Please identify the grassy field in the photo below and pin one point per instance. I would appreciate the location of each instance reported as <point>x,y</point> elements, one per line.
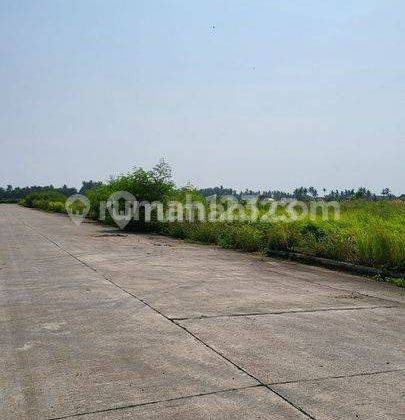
<point>370,233</point>
<point>367,233</point>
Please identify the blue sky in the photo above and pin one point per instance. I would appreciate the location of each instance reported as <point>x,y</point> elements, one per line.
<point>258,94</point>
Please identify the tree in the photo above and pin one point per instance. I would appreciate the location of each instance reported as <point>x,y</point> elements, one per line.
<point>364,193</point>
<point>386,192</point>
<point>301,193</point>
<point>218,191</point>
<point>313,192</point>
<point>89,185</point>
<point>67,191</point>
<point>162,172</point>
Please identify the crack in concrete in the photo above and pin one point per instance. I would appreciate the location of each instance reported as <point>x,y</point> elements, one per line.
<point>124,407</point>
<point>332,287</point>
<point>298,311</point>
<point>351,375</point>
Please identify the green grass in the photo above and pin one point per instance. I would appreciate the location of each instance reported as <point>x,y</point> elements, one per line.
<point>395,282</point>
<point>8,201</point>
<point>380,243</point>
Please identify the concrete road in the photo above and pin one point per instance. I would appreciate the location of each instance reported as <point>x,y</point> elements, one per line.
<point>98,324</point>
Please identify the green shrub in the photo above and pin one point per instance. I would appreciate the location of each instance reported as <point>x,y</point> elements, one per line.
<point>41,197</point>
<point>56,206</point>
<point>150,186</point>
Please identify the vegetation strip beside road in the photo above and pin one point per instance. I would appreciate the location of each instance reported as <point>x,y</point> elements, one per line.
<point>369,233</point>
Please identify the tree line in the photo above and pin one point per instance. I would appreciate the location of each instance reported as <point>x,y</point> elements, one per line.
<point>9,193</point>
<point>303,194</point>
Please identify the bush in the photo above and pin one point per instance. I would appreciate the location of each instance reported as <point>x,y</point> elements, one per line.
<point>150,186</point>
<point>56,206</point>
<point>41,197</point>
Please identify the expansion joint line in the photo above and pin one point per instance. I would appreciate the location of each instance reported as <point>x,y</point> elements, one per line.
<point>298,311</point>
<point>352,375</point>
<point>128,406</point>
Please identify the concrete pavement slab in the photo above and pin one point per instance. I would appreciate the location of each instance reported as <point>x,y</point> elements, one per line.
<point>296,346</point>
<point>380,396</point>
<point>339,280</point>
<point>102,358</point>
<point>246,404</point>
